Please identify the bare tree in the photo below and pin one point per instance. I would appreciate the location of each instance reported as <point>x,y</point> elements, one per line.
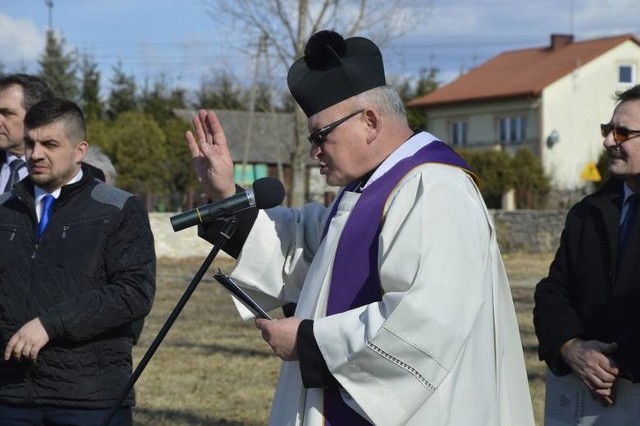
<point>286,25</point>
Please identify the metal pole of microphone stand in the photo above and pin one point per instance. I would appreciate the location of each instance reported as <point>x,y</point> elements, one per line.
<point>223,237</point>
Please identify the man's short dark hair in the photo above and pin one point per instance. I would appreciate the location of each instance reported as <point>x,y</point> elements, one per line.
<point>34,89</point>
<point>629,94</point>
<point>54,109</point>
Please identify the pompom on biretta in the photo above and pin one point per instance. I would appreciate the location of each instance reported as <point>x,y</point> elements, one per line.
<point>334,69</point>
<point>323,47</point>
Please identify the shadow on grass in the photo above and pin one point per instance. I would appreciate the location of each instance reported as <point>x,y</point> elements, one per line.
<point>149,417</point>
<point>241,352</point>
<point>530,348</point>
<point>537,375</point>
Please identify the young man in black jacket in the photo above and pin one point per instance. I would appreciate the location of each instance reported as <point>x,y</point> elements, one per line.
<point>77,269</point>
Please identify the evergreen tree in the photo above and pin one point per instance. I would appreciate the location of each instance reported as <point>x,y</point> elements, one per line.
<point>221,92</point>
<point>90,89</point>
<point>427,82</point>
<point>180,179</point>
<point>122,97</point>
<point>263,102</point>
<point>158,101</point>
<point>137,148</point>
<point>98,133</point>
<point>58,69</point>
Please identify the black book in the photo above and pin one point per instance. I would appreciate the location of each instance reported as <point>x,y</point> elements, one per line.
<point>239,294</point>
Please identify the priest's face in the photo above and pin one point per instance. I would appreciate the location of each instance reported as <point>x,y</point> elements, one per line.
<point>338,137</point>
<point>622,139</point>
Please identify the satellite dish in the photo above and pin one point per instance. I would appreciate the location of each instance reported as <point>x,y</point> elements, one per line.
<point>553,138</point>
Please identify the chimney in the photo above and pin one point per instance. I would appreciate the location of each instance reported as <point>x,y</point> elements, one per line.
<point>559,41</point>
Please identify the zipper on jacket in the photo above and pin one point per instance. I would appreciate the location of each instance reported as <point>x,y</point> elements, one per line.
<point>35,250</point>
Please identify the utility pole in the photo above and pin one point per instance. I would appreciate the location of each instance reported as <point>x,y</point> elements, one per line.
<point>49,4</point>
<point>262,46</point>
<point>296,196</point>
<point>280,147</point>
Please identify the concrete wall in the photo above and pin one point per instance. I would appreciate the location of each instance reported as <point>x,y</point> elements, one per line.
<point>535,231</point>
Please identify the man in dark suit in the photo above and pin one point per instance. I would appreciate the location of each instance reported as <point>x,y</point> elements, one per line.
<point>587,310</point>
<point>18,92</point>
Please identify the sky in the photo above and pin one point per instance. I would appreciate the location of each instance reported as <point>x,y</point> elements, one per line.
<point>181,41</point>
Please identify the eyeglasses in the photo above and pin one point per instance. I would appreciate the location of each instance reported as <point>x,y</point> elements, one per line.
<point>620,134</point>
<point>319,136</point>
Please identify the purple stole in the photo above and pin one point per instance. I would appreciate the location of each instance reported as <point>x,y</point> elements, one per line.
<point>355,280</point>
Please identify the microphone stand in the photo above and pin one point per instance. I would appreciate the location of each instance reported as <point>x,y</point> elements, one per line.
<point>223,237</point>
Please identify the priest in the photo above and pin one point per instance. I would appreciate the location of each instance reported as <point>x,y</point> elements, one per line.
<point>403,313</point>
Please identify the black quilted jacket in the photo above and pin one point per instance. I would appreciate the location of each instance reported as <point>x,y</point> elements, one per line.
<point>90,278</point>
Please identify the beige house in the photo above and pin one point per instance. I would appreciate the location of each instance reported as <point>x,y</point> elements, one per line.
<point>550,99</point>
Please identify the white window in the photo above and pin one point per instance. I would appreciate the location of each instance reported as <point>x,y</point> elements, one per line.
<point>513,129</point>
<point>459,133</point>
<point>627,74</point>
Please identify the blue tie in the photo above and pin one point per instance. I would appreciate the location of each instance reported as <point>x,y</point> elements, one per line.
<point>627,223</point>
<point>47,204</point>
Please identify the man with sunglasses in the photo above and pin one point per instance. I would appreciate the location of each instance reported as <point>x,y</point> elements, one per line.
<point>404,314</point>
<point>587,310</point>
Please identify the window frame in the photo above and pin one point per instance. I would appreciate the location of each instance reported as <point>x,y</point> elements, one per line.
<point>632,72</point>
<point>512,129</point>
<point>458,132</point>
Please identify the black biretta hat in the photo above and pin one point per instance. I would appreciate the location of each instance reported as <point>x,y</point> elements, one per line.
<point>334,69</point>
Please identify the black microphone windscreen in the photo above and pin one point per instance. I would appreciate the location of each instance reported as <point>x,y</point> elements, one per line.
<point>268,192</point>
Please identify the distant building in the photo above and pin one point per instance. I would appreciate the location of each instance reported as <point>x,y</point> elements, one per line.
<point>550,99</point>
<point>261,145</point>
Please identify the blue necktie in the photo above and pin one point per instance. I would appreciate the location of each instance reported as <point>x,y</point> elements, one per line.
<point>627,223</point>
<point>47,204</point>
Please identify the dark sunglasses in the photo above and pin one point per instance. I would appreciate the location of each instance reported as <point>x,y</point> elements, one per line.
<point>620,134</point>
<point>319,136</point>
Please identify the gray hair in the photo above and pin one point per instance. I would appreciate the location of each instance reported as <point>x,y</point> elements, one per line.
<point>99,159</point>
<point>385,98</point>
<point>34,89</point>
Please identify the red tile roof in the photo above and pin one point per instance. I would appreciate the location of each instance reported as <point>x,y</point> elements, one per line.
<point>521,72</point>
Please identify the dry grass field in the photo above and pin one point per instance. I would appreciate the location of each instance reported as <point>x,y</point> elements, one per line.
<point>214,369</point>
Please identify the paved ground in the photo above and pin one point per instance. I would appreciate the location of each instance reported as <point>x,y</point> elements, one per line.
<point>181,244</point>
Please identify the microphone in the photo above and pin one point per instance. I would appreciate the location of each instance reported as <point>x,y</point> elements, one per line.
<point>267,192</point>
